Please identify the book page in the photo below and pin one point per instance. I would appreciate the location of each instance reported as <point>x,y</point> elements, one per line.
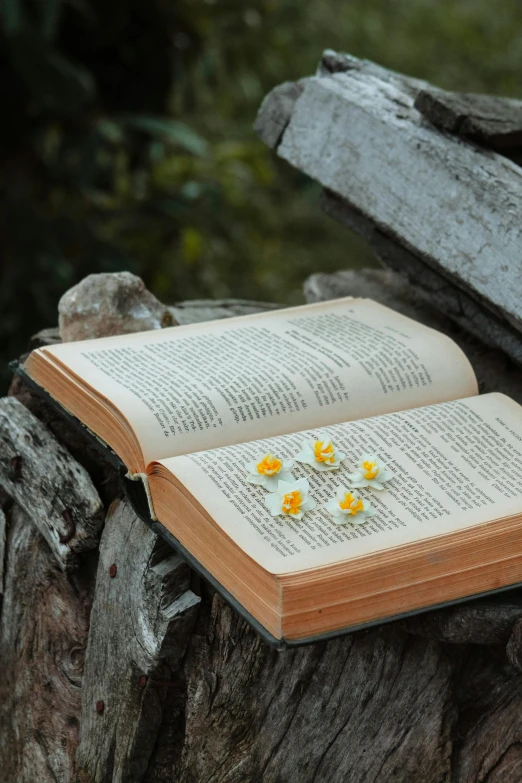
<point>455,465</point>
<point>195,387</point>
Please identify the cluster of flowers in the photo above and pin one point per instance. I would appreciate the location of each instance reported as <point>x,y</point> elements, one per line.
<point>290,497</point>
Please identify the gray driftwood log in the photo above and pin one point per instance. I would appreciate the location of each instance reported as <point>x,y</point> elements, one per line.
<point>141,620</point>
<point>52,488</point>
<point>128,668</point>
<point>400,163</point>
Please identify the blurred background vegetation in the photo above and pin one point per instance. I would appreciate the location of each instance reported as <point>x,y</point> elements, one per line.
<point>126,138</point>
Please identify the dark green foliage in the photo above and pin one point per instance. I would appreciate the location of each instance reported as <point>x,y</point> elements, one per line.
<point>126,138</point>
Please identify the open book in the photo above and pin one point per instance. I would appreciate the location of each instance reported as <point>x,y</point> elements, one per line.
<point>188,408</point>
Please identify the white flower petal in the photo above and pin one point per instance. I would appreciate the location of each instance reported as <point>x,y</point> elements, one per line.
<point>323,466</point>
<point>270,483</point>
<point>273,503</point>
<point>358,478</point>
<point>302,485</point>
<point>356,483</point>
<point>306,455</point>
<point>343,516</point>
<point>305,460</point>
<point>306,503</point>
<point>364,516</point>
<point>307,446</point>
<point>285,486</point>
<point>255,478</point>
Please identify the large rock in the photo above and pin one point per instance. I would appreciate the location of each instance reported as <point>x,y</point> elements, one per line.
<point>110,303</point>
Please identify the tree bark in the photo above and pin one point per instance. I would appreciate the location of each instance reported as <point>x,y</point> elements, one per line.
<point>162,680</point>
<point>44,624</point>
<point>44,480</point>
<point>141,622</point>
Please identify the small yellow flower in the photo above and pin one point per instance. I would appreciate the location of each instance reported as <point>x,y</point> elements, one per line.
<point>370,469</point>
<point>290,499</point>
<point>349,506</point>
<point>320,454</point>
<point>292,502</point>
<point>324,452</point>
<point>370,472</point>
<point>268,470</point>
<point>269,465</point>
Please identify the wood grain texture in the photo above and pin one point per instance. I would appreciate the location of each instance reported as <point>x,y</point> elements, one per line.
<point>486,621</point>
<point>492,120</point>
<point>514,645</point>
<point>141,620</point>
<point>50,757</point>
<point>51,487</point>
<point>454,204</point>
<point>2,549</point>
<point>488,733</point>
<point>374,707</point>
<point>341,62</point>
<point>434,286</point>
<point>43,632</point>
<point>82,449</point>
<point>275,112</point>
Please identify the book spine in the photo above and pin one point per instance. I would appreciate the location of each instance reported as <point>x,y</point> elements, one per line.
<point>145,482</point>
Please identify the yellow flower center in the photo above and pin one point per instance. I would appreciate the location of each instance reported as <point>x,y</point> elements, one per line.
<point>269,465</point>
<point>349,503</point>
<point>326,454</point>
<point>292,502</point>
<point>370,469</point>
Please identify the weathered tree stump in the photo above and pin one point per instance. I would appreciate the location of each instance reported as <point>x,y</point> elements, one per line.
<point>119,664</point>
<point>162,681</point>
